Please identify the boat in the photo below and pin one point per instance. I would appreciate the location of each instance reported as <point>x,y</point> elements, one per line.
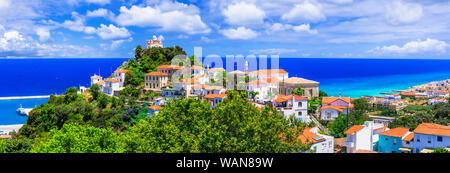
<point>23,111</point>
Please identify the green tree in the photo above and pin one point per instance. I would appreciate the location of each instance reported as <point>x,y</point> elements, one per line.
<point>102,101</point>
<point>138,52</point>
<point>95,91</point>
<point>71,94</point>
<point>338,126</point>
<point>74,138</point>
<point>322,94</point>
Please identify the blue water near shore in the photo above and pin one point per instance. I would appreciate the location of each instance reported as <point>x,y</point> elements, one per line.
<point>349,77</point>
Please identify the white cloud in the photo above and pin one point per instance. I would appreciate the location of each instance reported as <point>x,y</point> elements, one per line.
<point>341,1</point>
<point>184,19</point>
<point>241,33</point>
<point>413,47</point>
<point>78,24</point>
<point>279,27</point>
<point>399,12</point>
<point>43,33</point>
<point>101,12</point>
<point>112,32</point>
<point>206,39</point>
<point>15,44</point>
<point>273,51</point>
<point>100,2</point>
<point>243,14</point>
<point>305,11</point>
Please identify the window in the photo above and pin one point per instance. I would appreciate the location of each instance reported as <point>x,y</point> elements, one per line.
<point>407,142</point>
<point>386,139</point>
<point>429,139</point>
<point>395,141</point>
<point>418,139</point>
<point>299,104</point>
<point>439,138</point>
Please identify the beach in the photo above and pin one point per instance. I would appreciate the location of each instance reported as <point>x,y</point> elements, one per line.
<point>9,128</point>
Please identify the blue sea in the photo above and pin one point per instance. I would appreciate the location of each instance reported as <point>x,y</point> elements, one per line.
<point>348,77</point>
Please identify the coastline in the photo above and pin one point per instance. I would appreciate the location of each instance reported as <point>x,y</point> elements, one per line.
<point>10,128</point>
<point>24,97</point>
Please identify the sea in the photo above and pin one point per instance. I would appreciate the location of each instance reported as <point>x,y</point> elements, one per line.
<point>346,77</point>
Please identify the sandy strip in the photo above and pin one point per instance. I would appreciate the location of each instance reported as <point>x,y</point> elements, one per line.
<point>10,128</point>
<point>24,97</point>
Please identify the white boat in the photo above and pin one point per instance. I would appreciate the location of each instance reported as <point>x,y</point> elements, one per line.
<point>23,111</point>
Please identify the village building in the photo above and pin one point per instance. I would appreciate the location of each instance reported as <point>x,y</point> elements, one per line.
<point>214,99</point>
<point>169,70</point>
<point>390,141</point>
<point>154,43</point>
<point>262,88</point>
<point>111,86</point>
<point>293,105</point>
<point>153,110</point>
<point>363,137</point>
<point>156,80</point>
<point>120,76</point>
<point>270,73</point>
<point>437,100</point>
<point>319,143</point>
<point>310,88</point>
<point>333,106</point>
<point>431,136</point>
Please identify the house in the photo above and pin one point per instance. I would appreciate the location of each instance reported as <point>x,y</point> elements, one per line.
<point>333,106</point>
<point>258,86</point>
<point>156,80</point>
<point>437,100</point>
<point>95,79</point>
<point>319,143</point>
<point>407,143</point>
<point>214,99</point>
<point>168,92</point>
<point>269,73</point>
<point>292,105</point>
<point>203,90</point>
<point>154,43</point>
<point>382,119</point>
<point>169,70</point>
<point>111,85</point>
<point>197,70</point>
<point>310,88</point>
<point>363,137</point>
<point>153,110</point>
<point>120,76</point>
<point>390,141</point>
<point>393,97</point>
<point>431,136</point>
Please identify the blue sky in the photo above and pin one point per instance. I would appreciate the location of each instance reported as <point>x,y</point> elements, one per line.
<point>289,28</point>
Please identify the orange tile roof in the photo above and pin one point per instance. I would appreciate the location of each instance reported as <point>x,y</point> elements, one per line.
<point>395,132</point>
<point>5,137</point>
<point>409,137</point>
<point>408,94</point>
<point>308,137</point>
<point>212,96</point>
<point>155,107</point>
<point>271,80</point>
<point>155,73</point>
<point>100,82</point>
<point>354,129</point>
<point>196,67</point>
<point>269,72</point>
<point>256,82</point>
<point>296,80</point>
<point>328,100</point>
<point>175,67</point>
<point>96,77</point>
<point>122,71</point>
<point>433,129</point>
<point>384,128</point>
<point>216,69</point>
<point>338,108</point>
<point>365,151</point>
<point>282,98</point>
<point>111,80</point>
<point>191,80</point>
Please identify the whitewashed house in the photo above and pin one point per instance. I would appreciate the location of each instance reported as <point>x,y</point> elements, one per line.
<point>293,105</point>
<point>319,143</point>
<point>120,76</point>
<point>363,137</point>
<point>258,86</point>
<point>431,136</point>
<point>111,85</point>
<point>333,106</point>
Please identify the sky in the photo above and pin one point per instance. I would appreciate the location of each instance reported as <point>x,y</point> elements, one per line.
<point>288,28</point>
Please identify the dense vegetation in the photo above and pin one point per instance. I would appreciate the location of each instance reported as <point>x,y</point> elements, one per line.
<point>413,115</point>
<point>185,125</point>
<point>355,117</point>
